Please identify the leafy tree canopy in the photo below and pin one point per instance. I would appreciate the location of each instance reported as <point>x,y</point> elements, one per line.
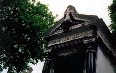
<point>112,10</point>
<point>22,25</point>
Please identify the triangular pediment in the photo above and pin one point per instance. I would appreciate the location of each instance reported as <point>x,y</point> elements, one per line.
<point>71,20</point>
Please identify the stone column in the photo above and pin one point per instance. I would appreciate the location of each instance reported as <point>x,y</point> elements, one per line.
<point>91,56</point>
<point>47,66</point>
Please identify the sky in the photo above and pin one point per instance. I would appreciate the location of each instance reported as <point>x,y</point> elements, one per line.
<point>88,7</point>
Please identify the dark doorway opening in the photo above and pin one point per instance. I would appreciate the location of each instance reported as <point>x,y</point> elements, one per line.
<point>74,63</point>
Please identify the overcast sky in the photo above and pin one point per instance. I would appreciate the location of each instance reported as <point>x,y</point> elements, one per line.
<point>89,7</point>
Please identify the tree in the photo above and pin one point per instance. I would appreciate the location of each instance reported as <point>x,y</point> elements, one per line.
<point>112,13</point>
<point>22,27</point>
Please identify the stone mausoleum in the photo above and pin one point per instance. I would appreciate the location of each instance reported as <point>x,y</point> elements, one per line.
<point>79,43</point>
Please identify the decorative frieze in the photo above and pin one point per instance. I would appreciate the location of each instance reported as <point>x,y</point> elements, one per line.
<point>70,38</point>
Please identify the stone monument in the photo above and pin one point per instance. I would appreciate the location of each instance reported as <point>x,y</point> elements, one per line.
<point>79,43</point>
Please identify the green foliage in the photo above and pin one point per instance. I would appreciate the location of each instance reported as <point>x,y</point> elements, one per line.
<point>22,25</point>
<point>112,10</point>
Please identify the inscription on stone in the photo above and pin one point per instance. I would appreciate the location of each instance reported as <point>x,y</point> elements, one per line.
<point>70,37</point>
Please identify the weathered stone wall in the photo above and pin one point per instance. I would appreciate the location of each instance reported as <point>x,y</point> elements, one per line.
<point>103,64</point>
